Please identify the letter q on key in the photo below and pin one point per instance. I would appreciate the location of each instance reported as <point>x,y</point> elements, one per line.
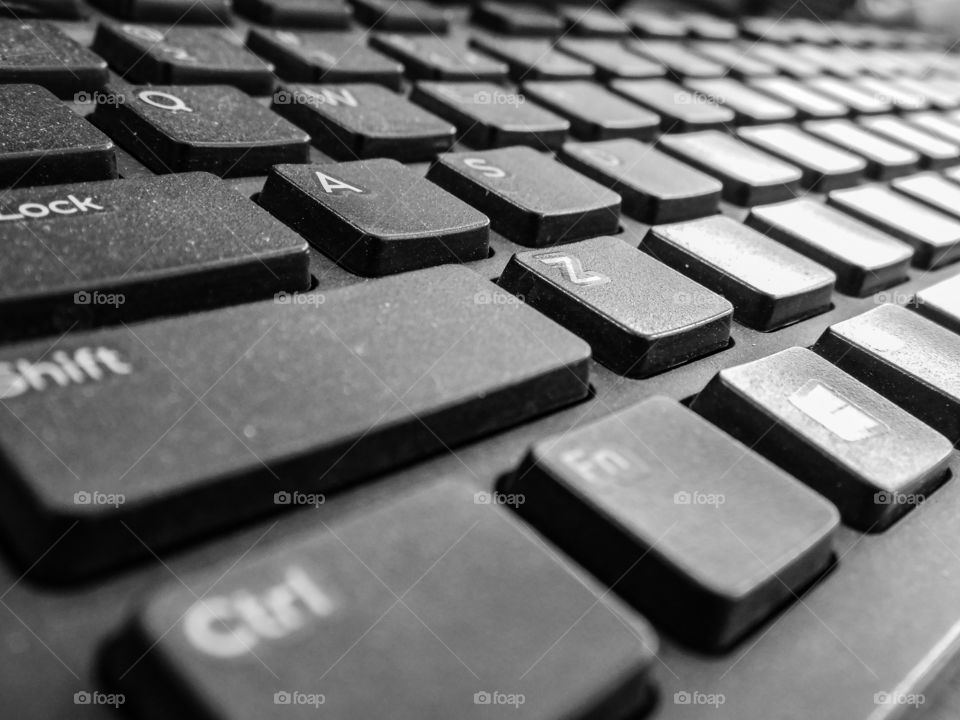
<point>163,100</point>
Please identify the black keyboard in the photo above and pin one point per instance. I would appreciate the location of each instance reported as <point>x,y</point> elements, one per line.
<point>373,359</point>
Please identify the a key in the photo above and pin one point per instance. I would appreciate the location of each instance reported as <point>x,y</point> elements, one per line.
<point>216,128</point>
<point>934,152</point>
<point>300,629</point>
<point>873,460</point>
<point>681,63</point>
<point>486,115</point>
<point>931,190</point>
<point>428,57</point>
<point>594,21</point>
<point>353,121</point>
<point>860,101</point>
<point>653,186</point>
<point>660,498</point>
<point>884,159</point>
<point>43,142</point>
<point>517,18</point>
<point>529,198</point>
<point>106,252</point>
<point>769,284</point>
<point>181,56</point>
<point>332,57</point>
<point>751,107</point>
<point>749,177</point>
<point>808,103</point>
<point>825,167</point>
<point>302,394</point>
<point>905,357</point>
<point>611,60</point>
<point>639,316</point>
<point>679,110</point>
<point>210,12</point>
<point>413,16</point>
<point>735,61</point>
<point>651,24</point>
<point>594,112</point>
<point>532,59</point>
<point>935,237</point>
<point>332,14</point>
<point>38,52</point>
<point>936,124</point>
<point>864,259</point>
<point>941,303</point>
<point>901,98</point>
<point>375,217</point>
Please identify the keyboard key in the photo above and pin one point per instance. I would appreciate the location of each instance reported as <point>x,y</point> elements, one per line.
<point>936,124</point>
<point>931,190</point>
<point>874,461</point>
<point>653,186</point>
<point>106,252</point>
<point>864,259</point>
<point>783,59</point>
<point>682,516</point>
<point>318,613</point>
<point>809,104</point>
<point>517,19</point>
<point>51,9</point>
<point>375,217</point>
<point>935,237</point>
<point>749,177</point>
<point>412,16</point>
<point>43,142</point>
<point>428,57</point>
<point>901,98</point>
<point>333,14</point>
<point>611,60</point>
<point>305,394</point>
<point>529,198</point>
<point>710,27</point>
<point>594,112</point>
<point>885,159</point>
<point>769,284</point>
<point>680,62</point>
<point>639,316</point>
<point>487,116</point>
<point>38,52</point>
<point>824,166</point>
<point>216,128</point>
<point>905,357</point>
<point>751,107</point>
<point>934,153</point>
<point>941,303</point>
<point>935,97</point>
<point>594,21</point>
<point>651,24</point>
<point>735,61</point>
<point>181,56</point>
<point>356,121</point>
<point>212,12</point>
<point>679,110</point>
<point>331,57</point>
<point>532,59</point>
<point>857,99</point>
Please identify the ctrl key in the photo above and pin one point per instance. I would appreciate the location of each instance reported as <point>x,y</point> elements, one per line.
<point>420,625</point>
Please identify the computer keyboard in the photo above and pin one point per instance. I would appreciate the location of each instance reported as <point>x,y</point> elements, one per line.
<point>378,358</point>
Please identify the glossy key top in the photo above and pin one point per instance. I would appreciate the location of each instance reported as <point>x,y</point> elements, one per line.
<point>679,110</point>
<point>934,152</point>
<point>639,316</point>
<point>884,159</point>
<point>666,508</point>
<point>375,217</point>
<point>38,52</point>
<point>873,460</point>
<point>594,112</point>
<point>932,190</point>
<point>304,393</point>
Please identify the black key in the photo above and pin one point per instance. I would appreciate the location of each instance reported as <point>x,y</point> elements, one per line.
<point>865,259</point>
<point>349,122</point>
<point>660,498</point>
<point>594,112</point>
<point>594,21</point>
<point>751,107</point>
<point>679,61</point>
<point>313,620</point>
<point>935,237</point>
<point>885,159</point>
<point>932,190</point>
<point>809,104</point>
<point>296,13</point>
<point>639,316</point>
<point>301,395</point>
<point>734,59</point>
<point>413,16</point>
<point>769,284</point>
<point>649,23</point>
<point>38,52</point>
<point>428,57</point>
<point>857,99</point>
<point>905,357</point>
<point>375,217</point>
<point>217,128</point>
<point>42,141</point>
<point>874,461</point>
<point>941,303</point>
<point>611,60</point>
<point>934,152</point>
<point>325,57</point>
<point>680,111</point>
<point>213,12</point>
<point>529,198</point>
<point>105,252</point>
<point>181,56</point>
<point>825,167</point>
<point>531,59</point>
<point>654,187</point>
<point>486,115</point>
<point>749,177</point>
<point>517,19</point>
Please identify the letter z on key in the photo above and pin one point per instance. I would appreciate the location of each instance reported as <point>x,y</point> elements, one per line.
<point>70,206</point>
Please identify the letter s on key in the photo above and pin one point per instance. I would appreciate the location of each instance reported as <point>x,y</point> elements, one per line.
<point>481,165</point>
<point>163,100</point>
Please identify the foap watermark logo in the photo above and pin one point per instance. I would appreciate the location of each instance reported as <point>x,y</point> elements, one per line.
<point>498,698</point>
<point>95,497</point>
<point>695,697</point>
<point>499,498</point>
<point>98,97</point>
<point>696,497</point>
<point>95,297</point>
<point>496,97</point>
<point>694,299</point>
<point>298,298</point>
<point>899,698</point>
<point>301,699</point>
<point>893,497</point>
<point>95,697</point>
<point>488,297</point>
<point>697,98</point>
<point>298,498</point>
<point>895,297</point>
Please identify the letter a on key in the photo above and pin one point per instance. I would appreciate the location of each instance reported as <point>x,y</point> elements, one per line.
<point>330,184</point>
